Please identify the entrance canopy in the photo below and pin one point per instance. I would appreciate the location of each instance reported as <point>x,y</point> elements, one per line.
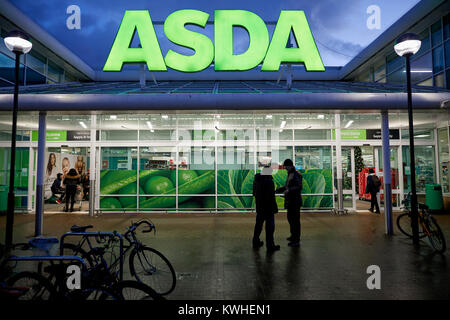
<point>232,95</point>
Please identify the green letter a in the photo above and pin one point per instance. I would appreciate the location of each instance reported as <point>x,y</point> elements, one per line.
<point>306,52</point>
<point>150,53</point>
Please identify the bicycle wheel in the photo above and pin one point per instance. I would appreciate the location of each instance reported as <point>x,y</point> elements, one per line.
<point>39,288</point>
<point>149,266</point>
<point>404,225</point>
<point>134,290</point>
<point>436,236</point>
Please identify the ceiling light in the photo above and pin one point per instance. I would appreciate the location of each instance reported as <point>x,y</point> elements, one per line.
<point>113,117</point>
<point>268,116</point>
<point>349,124</point>
<point>283,124</point>
<point>83,124</point>
<point>165,116</point>
<point>321,116</point>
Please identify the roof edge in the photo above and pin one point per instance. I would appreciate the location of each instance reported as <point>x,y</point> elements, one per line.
<point>35,31</point>
<point>419,11</point>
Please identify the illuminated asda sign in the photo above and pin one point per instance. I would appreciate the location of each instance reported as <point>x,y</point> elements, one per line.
<point>270,52</point>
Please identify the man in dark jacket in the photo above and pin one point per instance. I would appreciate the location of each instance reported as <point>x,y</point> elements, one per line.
<point>71,181</point>
<point>292,201</point>
<point>373,187</point>
<point>266,207</point>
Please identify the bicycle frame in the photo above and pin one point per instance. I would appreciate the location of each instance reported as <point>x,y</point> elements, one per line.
<point>87,235</point>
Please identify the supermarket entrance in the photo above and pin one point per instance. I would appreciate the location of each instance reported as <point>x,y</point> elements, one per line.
<point>356,163</point>
<point>59,160</point>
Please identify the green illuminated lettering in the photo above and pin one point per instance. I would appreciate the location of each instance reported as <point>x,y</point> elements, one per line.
<point>174,28</point>
<point>150,52</point>
<point>306,52</point>
<point>224,21</point>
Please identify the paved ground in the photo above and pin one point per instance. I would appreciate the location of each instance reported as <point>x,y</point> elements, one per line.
<point>213,257</point>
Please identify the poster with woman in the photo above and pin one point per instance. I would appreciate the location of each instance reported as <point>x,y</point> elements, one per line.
<point>51,170</point>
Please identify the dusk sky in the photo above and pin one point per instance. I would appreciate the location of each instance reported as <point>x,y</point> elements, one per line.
<point>339,26</point>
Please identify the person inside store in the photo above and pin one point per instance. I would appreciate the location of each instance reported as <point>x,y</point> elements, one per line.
<point>71,182</point>
<point>266,207</point>
<point>292,192</point>
<point>57,190</point>
<point>373,187</point>
<point>85,183</point>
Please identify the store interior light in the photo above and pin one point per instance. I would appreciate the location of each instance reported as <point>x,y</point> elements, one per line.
<point>321,116</point>
<point>149,125</point>
<point>113,117</point>
<point>83,124</point>
<point>165,116</point>
<point>283,124</point>
<point>348,124</point>
<point>268,116</point>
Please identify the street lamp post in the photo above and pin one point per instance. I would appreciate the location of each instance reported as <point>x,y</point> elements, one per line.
<point>407,45</point>
<point>17,42</point>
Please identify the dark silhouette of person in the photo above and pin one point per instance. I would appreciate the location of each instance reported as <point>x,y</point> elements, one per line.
<point>292,192</point>
<point>266,207</point>
<point>373,187</point>
<point>57,190</point>
<point>71,181</point>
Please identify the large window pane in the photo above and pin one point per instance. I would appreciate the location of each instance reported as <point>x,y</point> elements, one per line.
<point>447,53</point>
<point>421,68</point>
<point>425,45</point>
<point>157,173</point>
<point>444,159</point>
<point>20,176</point>
<point>425,167</point>
<point>438,59</point>
<point>436,33</point>
<point>397,77</point>
<point>118,177</point>
<point>315,165</point>
<point>380,69</point>
<point>393,62</point>
<point>196,174</point>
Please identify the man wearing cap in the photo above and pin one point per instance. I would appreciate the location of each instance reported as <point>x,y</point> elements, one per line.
<point>266,207</point>
<point>292,192</point>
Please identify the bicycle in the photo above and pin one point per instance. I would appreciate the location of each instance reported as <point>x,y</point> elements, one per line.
<point>429,226</point>
<point>146,264</point>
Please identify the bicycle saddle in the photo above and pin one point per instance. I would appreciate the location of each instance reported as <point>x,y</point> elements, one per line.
<point>76,228</point>
<point>423,206</point>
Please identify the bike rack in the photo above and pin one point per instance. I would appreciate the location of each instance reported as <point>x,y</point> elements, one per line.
<point>48,258</point>
<point>96,234</point>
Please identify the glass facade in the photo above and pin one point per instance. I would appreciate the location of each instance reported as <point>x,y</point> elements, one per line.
<point>429,66</point>
<point>35,68</point>
<point>207,162</point>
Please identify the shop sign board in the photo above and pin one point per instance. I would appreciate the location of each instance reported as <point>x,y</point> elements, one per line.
<point>51,135</point>
<point>261,49</point>
<point>351,134</point>
<point>394,134</point>
<point>62,135</point>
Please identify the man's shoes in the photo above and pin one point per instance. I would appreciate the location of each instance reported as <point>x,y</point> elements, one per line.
<point>377,212</point>
<point>257,245</point>
<point>289,238</point>
<point>371,210</point>
<point>294,244</point>
<point>273,248</point>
